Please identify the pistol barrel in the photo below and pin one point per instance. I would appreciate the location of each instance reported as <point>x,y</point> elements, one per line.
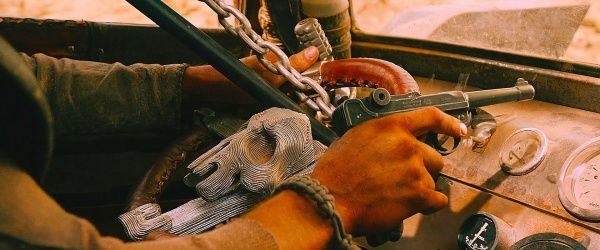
<point>522,91</point>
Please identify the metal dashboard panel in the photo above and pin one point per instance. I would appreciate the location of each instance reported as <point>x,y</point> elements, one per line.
<point>475,182</point>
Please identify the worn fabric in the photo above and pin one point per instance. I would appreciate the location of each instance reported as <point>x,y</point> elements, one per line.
<point>27,213</point>
<point>99,98</point>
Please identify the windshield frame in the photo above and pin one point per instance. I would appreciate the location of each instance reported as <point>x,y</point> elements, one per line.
<point>581,68</point>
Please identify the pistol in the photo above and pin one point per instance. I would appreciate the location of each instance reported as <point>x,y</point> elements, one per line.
<point>462,105</point>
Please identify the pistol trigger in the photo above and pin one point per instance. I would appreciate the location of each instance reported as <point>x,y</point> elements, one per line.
<point>434,141</point>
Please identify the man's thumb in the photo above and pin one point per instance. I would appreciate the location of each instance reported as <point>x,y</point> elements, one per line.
<point>305,58</point>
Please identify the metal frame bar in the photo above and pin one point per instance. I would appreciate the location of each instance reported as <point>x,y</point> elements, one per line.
<point>223,61</point>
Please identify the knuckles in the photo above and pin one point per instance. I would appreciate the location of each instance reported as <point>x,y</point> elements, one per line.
<point>408,148</point>
<point>405,120</point>
<point>423,199</point>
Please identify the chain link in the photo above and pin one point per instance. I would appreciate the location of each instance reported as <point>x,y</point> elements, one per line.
<point>318,102</point>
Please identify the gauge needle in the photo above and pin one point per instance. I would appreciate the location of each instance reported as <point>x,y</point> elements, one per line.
<point>515,154</point>
<point>478,235</point>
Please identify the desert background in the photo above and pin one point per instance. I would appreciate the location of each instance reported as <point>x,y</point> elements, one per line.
<point>370,14</point>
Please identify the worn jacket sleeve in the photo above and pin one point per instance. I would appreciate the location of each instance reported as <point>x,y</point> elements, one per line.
<point>99,98</point>
<point>28,214</point>
<point>240,234</point>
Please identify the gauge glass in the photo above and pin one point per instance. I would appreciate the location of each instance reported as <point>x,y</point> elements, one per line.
<point>579,188</point>
<point>586,185</point>
<point>523,151</point>
<point>478,232</point>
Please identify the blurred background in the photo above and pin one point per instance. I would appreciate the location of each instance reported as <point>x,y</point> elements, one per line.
<point>584,46</point>
<point>369,14</point>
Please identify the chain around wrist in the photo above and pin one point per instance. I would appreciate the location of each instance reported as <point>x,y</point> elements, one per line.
<point>312,189</point>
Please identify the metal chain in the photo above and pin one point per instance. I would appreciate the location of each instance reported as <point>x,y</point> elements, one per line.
<point>319,102</point>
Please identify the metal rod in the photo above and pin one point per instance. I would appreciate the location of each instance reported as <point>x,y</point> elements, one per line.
<point>224,62</point>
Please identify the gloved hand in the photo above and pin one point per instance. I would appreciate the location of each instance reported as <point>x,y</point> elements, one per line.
<point>235,175</point>
<point>274,145</point>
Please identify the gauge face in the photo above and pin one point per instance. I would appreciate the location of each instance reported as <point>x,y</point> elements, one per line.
<point>523,151</point>
<point>547,241</point>
<point>586,184</point>
<point>579,187</point>
<point>477,232</point>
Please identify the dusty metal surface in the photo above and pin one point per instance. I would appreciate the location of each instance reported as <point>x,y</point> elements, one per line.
<point>559,87</point>
<point>529,203</point>
<point>364,44</point>
<point>440,230</point>
<point>106,42</point>
<point>52,37</point>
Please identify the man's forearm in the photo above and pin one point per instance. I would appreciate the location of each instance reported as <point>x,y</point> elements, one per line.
<point>28,214</point>
<point>203,84</point>
<point>294,221</point>
<point>99,98</point>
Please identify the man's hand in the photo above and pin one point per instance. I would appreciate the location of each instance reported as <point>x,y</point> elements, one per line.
<point>300,61</point>
<point>380,174</point>
<point>202,84</point>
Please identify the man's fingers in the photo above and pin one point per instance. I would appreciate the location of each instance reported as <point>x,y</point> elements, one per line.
<point>421,121</point>
<point>299,61</point>
<point>433,161</point>
<point>434,201</point>
<point>305,58</point>
<point>271,57</point>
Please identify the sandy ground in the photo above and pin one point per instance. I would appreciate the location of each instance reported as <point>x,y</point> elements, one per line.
<point>585,46</point>
<point>105,10</point>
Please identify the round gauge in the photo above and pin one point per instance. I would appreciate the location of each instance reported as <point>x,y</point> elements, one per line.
<point>478,232</point>
<point>484,231</point>
<point>523,151</point>
<point>547,241</point>
<point>579,183</point>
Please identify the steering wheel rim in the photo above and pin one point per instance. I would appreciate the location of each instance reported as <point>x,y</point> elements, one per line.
<point>154,182</point>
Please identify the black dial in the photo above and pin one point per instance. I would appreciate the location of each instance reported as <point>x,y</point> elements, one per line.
<point>478,232</point>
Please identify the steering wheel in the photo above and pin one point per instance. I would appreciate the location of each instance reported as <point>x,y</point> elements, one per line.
<point>173,157</point>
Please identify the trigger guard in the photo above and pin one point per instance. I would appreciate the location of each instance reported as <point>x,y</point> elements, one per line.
<point>432,140</point>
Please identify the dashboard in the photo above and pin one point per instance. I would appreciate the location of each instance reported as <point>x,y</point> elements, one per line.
<point>536,181</point>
